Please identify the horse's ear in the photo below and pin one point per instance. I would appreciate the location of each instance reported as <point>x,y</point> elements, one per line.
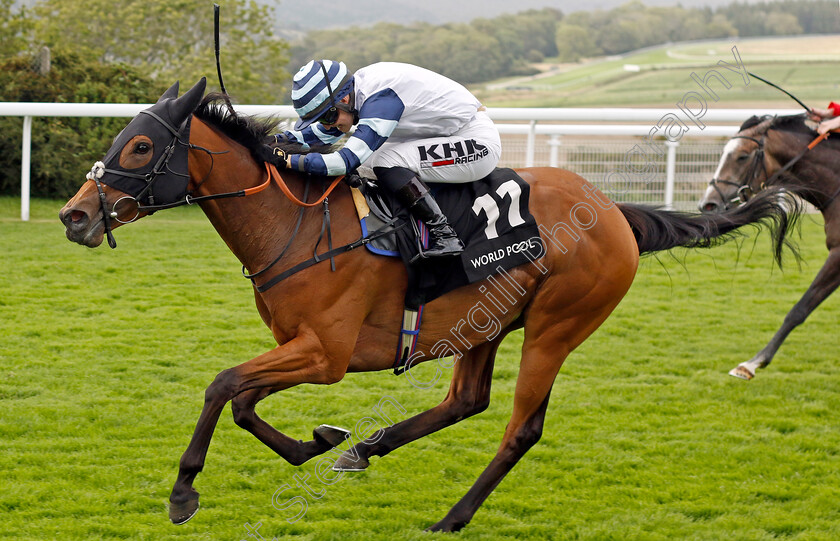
<point>750,122</point>
<point>186,104</point>
<point>172,93</point>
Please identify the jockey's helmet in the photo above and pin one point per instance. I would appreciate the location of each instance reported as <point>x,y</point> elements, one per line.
<point>317,88</point>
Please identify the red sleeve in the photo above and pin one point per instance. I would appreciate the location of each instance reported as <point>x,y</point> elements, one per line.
<point>835,108</point>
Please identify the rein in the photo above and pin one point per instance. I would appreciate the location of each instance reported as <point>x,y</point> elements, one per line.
<point>291,197</point>
<point>798,157</point>
<point>189,200</point>
<point>325,227</point>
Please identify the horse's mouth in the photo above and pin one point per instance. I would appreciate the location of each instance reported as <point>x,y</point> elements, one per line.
<point>78,229</point>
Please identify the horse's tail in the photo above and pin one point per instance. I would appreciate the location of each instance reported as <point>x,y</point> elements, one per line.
<point>657,229</point>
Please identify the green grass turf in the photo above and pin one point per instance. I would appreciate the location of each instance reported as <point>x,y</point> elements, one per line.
<point>105,355</point>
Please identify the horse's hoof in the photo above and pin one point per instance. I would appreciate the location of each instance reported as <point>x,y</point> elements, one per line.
<point>330,435</point>
<point>447,526</point>
<point>351,462</point>
<point>179,513</point>
<point>742,372</point>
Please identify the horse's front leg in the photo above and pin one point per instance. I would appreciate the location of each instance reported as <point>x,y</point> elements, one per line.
<point>823,285</point>
<point>301,360</point>
<point>295,452</point>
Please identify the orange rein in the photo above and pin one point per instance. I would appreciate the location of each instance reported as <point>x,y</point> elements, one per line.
<point>819,139</point>
<point>271,172</point>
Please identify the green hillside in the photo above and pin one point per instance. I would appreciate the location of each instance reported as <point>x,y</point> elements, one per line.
<point>807,66</point>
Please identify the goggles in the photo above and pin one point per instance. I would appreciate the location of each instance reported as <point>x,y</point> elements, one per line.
<point>330,116</point>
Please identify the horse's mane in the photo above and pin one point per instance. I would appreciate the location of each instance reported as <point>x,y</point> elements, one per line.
<point>249,131</point>
<point>797,124</point>
<point>794,124</point>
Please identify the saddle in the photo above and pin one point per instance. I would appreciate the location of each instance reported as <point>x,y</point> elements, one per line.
<point>490,215</point>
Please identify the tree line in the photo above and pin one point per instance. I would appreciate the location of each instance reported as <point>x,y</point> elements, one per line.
<point>100,51</point>
<point>509,45</point>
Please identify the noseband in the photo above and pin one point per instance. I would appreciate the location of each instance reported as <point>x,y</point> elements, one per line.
<point>745,191</point>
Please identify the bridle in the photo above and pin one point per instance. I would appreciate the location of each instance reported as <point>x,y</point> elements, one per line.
<point>160,168</point>
<point>744,188</point>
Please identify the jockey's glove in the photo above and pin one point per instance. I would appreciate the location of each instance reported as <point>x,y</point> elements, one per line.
<point>353,179</point>
<point>280,158</point>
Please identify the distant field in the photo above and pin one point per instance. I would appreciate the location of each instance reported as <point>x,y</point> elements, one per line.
<point>806,66</point>
<point>105,355</point>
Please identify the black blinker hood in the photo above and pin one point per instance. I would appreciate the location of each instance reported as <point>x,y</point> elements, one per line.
<point>167,124</point>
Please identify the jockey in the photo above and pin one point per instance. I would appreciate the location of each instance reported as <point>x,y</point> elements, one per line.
<point>411,126</point>
<point>828,118</point>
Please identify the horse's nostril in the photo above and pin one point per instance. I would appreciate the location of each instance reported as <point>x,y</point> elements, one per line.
<point>73,217</point>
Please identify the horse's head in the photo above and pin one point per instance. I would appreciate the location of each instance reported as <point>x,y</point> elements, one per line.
<point>741,170</point>
<point>146,166</point>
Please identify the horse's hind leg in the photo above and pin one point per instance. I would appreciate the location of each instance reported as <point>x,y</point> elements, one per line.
<point>523,431</point>
<point>549,338</point>
<point>469,394</point>
<point>294,451</point>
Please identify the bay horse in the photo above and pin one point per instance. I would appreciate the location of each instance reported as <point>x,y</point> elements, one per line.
<point>786,152</point>
<point>328,323</point>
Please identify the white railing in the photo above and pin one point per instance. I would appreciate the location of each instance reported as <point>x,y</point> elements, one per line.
<point>579,122</point>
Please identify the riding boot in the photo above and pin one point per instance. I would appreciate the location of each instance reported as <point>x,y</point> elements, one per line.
<point>415,196</point>
<point>444,240</point>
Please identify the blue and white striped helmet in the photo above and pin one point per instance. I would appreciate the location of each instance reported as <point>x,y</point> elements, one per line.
<point>311,90</point>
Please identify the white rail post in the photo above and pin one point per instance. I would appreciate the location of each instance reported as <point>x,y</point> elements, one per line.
<point>554,143</point>
<point>529,149</point>
<point>670,173</point>
<point>26,148</point>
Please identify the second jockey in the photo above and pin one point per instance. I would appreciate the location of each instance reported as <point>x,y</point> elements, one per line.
<point>412,126</point>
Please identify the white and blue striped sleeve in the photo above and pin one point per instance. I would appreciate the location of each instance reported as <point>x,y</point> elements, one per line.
<point>378,117</point>
<point>314,135</point>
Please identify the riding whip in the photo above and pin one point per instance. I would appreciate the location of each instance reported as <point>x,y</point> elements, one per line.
<point>780,88</point>
<point>218,63</point>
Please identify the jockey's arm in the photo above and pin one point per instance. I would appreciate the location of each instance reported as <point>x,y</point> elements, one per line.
<point>313,135</point>
<point>378,117</point>
<point>832,110</point>
<point>829,118</point>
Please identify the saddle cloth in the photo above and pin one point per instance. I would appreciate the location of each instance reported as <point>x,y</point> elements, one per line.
<point>490,215</point>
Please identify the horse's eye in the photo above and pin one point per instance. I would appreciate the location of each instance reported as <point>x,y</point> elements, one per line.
<point>142,148</point>
<point>743,158</point>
